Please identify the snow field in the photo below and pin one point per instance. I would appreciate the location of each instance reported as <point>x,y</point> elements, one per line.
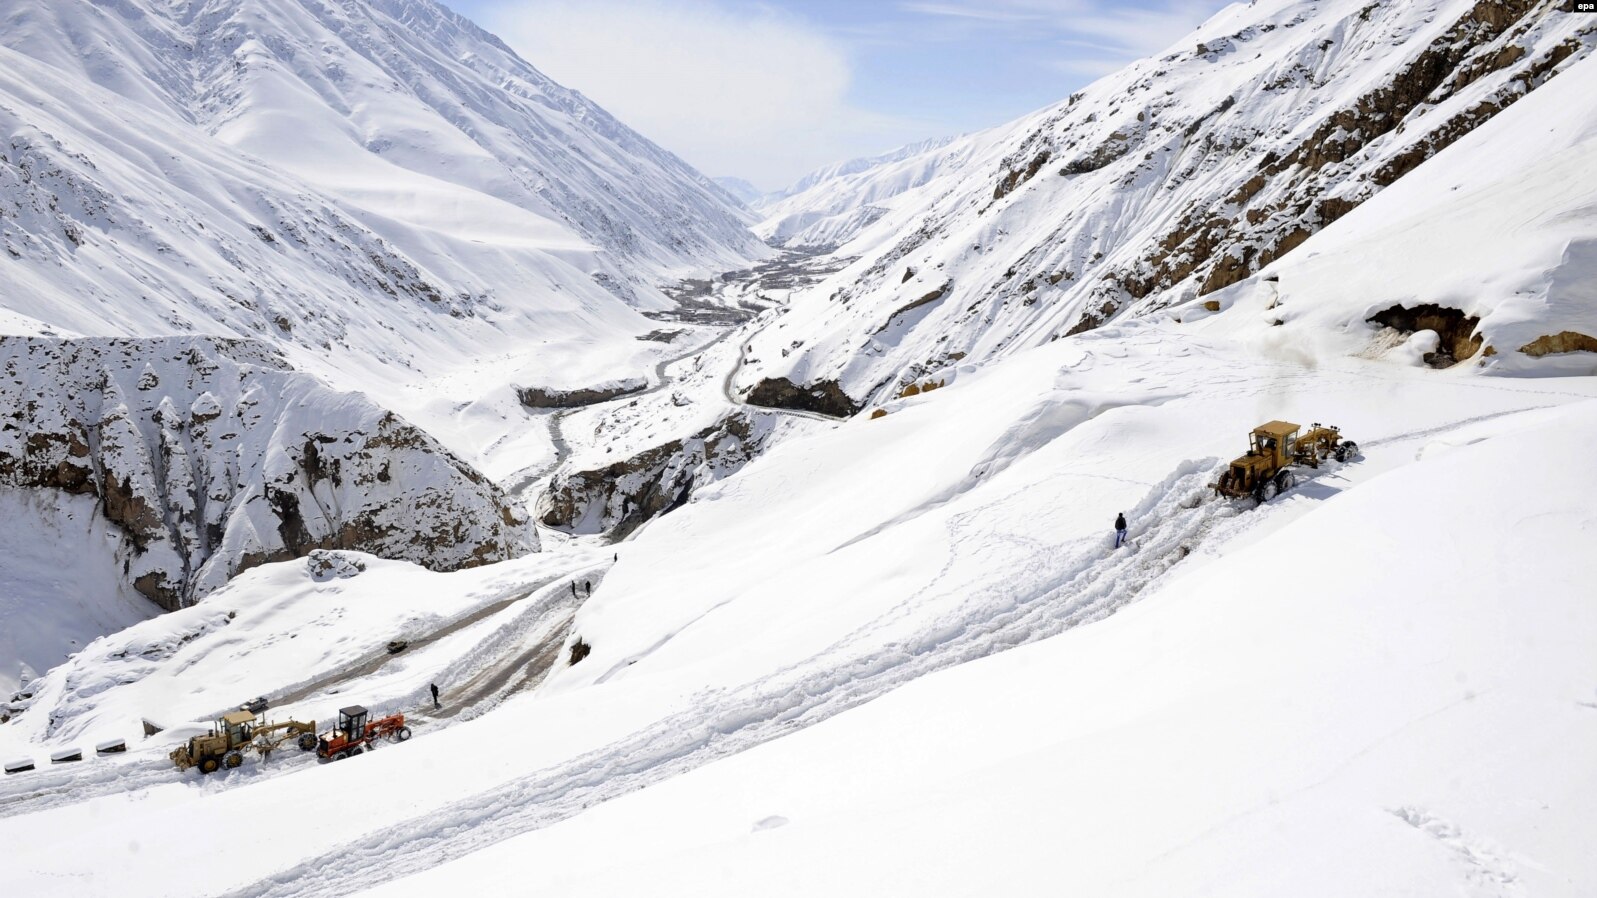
<point>1281,721</point>
<point>968,521</point>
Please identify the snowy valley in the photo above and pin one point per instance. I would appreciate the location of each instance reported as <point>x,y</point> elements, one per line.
<point>717,543</point>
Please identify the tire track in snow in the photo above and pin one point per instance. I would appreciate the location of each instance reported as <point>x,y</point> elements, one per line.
<point>1072,585</point>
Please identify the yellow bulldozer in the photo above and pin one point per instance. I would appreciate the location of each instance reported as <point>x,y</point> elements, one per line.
<point>238,732</point>
<point>1273,450</point>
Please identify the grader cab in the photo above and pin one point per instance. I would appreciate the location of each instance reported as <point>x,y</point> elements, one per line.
<point>1273,450</point>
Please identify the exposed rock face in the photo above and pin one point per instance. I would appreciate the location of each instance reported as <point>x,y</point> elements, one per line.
<point>213,456</point>
<point>1477,44</point>
<point>825,397</point>
<point>1564,341</point>
<point>548,397</point>
<point>1460,337</point>
<point>619,497</point>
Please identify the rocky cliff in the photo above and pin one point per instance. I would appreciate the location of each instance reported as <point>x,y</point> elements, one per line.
<point>213,456</point>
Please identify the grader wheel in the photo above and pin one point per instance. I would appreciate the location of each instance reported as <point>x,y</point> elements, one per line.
<point>209,765</point>
<point>1266,491</point>
<point>307,742</point>
<point>232,760</point>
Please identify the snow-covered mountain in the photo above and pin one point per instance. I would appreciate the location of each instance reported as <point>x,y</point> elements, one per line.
<point>380,188</point>
<point>903,653</point>
<point>1171,179</point>
<point>378,195</point>
<point>861,165</point>
<point>742,190</point>
<point>830,206</point>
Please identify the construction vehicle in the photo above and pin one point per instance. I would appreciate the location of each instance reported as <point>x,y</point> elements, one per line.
<point>238,732</point>
<point>1274,449</point>
<point>355,733</point>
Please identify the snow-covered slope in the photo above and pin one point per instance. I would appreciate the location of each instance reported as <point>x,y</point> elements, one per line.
<point>844,170</point>
<point>969,521</point>
<point>1173,178</point>
<point>380,192</point>
<point>741,190</point>
<point>244,167</point>
<point>1418,722</point>
<point>1497,235</point>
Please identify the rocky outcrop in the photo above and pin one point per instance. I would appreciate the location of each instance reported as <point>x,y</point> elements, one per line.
<point>912,305</point>
<point>825,397</point>
<point>1459,337</point>
<point>213,456</point>
<point>1564,341</point>
<point>617,498</point>
<point>549,397</point>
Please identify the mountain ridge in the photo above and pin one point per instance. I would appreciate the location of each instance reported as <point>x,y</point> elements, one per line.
<point>1166,181</point>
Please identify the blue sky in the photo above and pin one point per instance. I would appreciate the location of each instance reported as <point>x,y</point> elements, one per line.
<point>768,91</point>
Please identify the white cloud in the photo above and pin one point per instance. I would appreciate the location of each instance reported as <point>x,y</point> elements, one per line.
<point>1142,32</point>
<point>755,94</point>
<point>1104,35</point>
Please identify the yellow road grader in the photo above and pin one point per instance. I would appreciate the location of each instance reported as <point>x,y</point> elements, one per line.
<point>238,732</point>
<point>1273,450</point>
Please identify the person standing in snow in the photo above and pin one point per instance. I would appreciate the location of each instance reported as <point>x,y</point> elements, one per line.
<point>1120,529</point>
<point>434,687</point>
